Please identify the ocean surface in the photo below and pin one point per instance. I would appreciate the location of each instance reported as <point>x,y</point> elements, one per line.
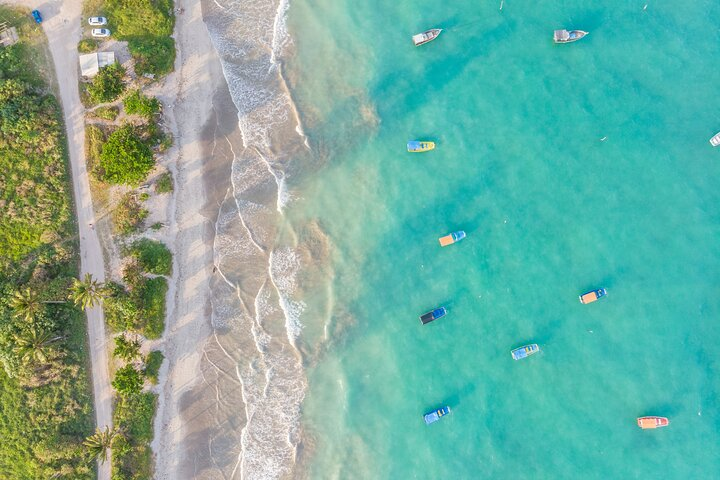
<point>570,167</point>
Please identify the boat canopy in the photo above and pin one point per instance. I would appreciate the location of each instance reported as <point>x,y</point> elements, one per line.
<point>414,144</point>
<point>562,35</point>
<point>648,422</point>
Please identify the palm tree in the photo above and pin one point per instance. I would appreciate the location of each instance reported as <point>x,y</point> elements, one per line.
<point>26,304</point>
<point>33,344</point>
<point>100,442</point>
<point>86,293</point>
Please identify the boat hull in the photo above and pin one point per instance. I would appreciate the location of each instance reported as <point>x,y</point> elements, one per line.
<point>593,295</point>
<point>435,415</point>
<point>420,146</point>
<point>565,36</point>
<point>426,36</point>
<point>525,351</point>
<point>433,315</point>
<point>652,422</point>
<point>715,141</point>
<point>451,238</point>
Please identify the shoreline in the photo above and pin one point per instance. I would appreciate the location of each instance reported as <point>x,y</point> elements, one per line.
<point>201,180</point>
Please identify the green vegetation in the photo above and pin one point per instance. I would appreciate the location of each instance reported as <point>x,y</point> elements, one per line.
<point>153,298</point>
<point>45,402</point>
<point>140,307</point>
<point>125,157</point>
<point>94,139</point>
<point>86,293</point>
<point>164,184</point>
<point>100,442</point>
<point>106,113</point>
<point>129,215</point>
<point>147,25</point>
<point>108,84</point>
<point>128,381</point>
<point>153,362</point>
<point>126,349</point>
<point>153,257</point>
<point>87,45</point>
<point>132,457</point>
<point>157,226</point>
<point>138,104</point>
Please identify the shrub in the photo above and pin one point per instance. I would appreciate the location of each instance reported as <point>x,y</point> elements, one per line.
<point>94,139</point>
<point>153,362</point>
<point>128,381</point>
<point>106,113</point>
<point>164,184</point>
<point>129,215</point>
<point>152,299</point>
<point>134,416</point>
<point>121,312</point>
<point>87,45</point>
<point>157,226</point>
<point>125,157</point>
<point>153,257</point>
<point>108,84</point>
<point>138,104</point>
<point>126,349</point>
<point>152,54</point>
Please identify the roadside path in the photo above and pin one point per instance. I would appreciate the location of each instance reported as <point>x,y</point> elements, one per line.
<point>62,25</point>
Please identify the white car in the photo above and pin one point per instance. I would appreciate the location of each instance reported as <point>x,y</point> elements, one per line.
<point>97,21</point>
<point>100,32</point>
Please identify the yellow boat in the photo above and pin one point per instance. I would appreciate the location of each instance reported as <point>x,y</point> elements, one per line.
<point>420,146</point>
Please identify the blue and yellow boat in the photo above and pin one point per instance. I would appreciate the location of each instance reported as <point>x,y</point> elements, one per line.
<point>434,416</point>
<point>420,146</point>
<point>525,351</point>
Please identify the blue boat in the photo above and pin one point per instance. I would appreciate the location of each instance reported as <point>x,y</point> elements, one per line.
<point>451,238</point>
<point>592,295</point>
<point>525,351</point>
<point>420,146</point>
<point>435,415</point>
<point>434,315</point>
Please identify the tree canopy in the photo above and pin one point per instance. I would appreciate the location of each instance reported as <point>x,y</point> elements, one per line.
<point>125,157</point>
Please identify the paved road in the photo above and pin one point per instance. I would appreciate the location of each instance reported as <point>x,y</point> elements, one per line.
<point>62,25</point>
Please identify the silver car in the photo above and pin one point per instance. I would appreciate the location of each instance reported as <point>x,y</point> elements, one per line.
<point>97,21</point>
<point>100,32</point>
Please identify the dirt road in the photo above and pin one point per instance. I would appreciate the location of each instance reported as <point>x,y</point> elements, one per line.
<point>62,25</point>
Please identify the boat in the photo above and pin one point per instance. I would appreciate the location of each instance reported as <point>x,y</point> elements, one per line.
<point>592,295</point>
<point>715,141</point>
<point>420,146</point>
<point>565,36</point>
<point>525,351</point>
<point>433,315</point>
<point>451,238</point>
<point>434,416</point>
<point>427,36</point>
<point>652,422</point>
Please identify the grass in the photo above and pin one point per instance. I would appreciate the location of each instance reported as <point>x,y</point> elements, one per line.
<point>132,457</point>
<point>109,113</point>
<point>153,362</point>
<point>45,405</point>
<point>147,26</point>
<point>129,215</point>
<point>153,301</point>
<point>153,257</point>
<point>164,184</point>
<point>87,45</point>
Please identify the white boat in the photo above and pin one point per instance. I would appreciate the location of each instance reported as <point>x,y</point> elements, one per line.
<point>715,141</point>
<point>427,36</point>
<point>565,36</point>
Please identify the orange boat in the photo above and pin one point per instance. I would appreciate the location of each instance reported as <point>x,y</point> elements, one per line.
<point>652,422</point>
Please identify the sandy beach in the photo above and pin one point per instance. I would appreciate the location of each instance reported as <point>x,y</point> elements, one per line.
<point>203,120</point>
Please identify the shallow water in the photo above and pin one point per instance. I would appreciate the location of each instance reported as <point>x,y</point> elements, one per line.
<point>550,209</point>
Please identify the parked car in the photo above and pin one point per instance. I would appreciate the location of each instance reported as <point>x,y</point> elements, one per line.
<point>97,21</point>
<point>100,32</point>
<point>36,15</point>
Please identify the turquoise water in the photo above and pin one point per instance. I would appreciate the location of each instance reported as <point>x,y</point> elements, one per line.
<point>550,211</point>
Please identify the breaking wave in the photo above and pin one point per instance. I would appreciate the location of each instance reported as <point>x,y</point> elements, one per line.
<point>256,312</point>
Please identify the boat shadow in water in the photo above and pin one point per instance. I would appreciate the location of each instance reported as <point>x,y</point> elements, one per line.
<point>429,71</point>
<point>454,400</point>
